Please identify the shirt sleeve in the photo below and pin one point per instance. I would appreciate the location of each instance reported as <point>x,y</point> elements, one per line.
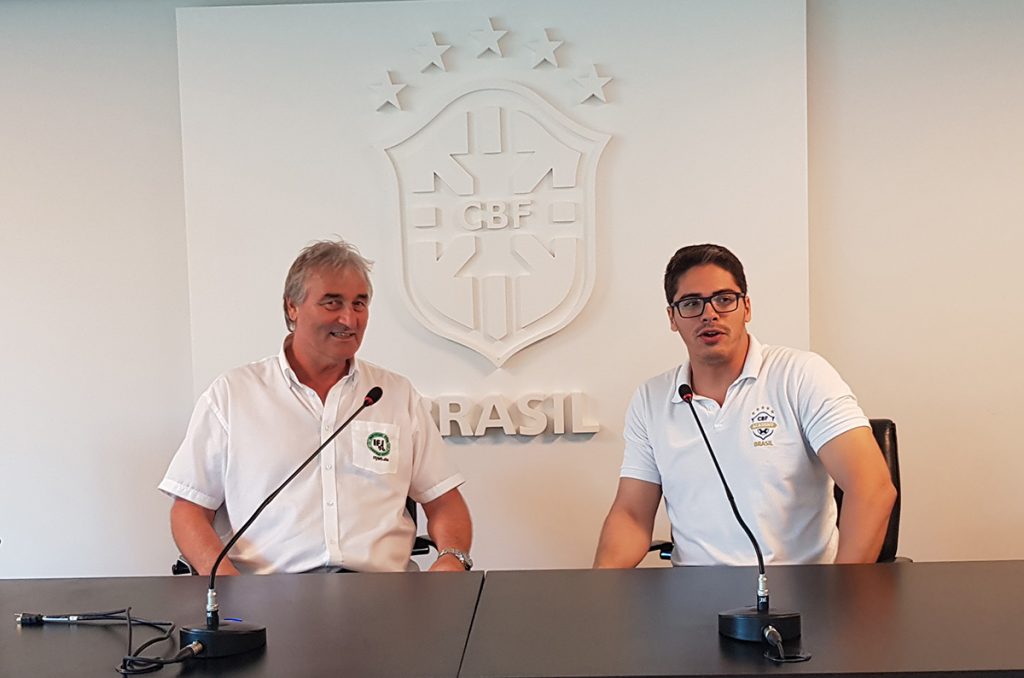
<point>433,472</point>
<point>196,472</point>
<point>638,455</point>
<point>826,404</point>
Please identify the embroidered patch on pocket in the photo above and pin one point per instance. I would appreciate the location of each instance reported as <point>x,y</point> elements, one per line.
<point>375,446</point>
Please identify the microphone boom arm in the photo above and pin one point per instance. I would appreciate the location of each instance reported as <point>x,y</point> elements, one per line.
<point>213,573</point>
<point>762,578</point>
<point>234,637</point>
<point>753,623</point>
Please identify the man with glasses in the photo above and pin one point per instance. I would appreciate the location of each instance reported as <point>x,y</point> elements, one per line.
<point>783,424</point>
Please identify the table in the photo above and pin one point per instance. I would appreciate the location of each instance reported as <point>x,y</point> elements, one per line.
<point>921,619</point>
<point>926,619</point>
<point>365,625</point>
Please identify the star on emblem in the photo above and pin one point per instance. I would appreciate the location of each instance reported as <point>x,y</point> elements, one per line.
<point>488,38</point>
<point>544,50</point>
<point>431,53</point>
<point>593,84</point>
<point>386,91</point>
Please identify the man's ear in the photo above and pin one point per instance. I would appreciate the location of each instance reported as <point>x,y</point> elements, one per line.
<point>672,319</point>
<point>746,309</point>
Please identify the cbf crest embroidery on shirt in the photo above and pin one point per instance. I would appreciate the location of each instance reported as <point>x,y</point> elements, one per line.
<point>762,426</point>
<point>379,445</point>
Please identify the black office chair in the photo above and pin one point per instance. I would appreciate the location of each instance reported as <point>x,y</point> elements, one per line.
<point>885,436</point>
<point>884,431</point>
<point>422,544</point>
<point>420,547</point>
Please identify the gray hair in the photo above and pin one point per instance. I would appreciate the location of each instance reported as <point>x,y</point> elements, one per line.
<point>322,255</point>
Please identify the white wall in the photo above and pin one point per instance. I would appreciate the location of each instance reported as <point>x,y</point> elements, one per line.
<point>97,383</point>
<point>917,208</point>
<point>915,156</point>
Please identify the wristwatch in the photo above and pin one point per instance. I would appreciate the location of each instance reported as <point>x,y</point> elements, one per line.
<point>463,558</point>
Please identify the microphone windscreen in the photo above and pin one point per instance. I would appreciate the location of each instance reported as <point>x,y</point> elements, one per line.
<point>373,395</point>
<point>685,392</point>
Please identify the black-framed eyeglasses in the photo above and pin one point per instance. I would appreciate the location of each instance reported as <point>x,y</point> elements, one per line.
<point>723,302</point>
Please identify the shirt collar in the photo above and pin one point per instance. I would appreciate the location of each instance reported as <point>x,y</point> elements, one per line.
<point>751,368</point>
<point>752,365</point>
<point>282,361</point>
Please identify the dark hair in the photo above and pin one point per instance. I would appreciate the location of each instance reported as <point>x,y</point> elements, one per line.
<point>698,255</point>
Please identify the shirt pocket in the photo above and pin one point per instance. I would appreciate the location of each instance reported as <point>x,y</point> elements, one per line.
<point>375,446</point>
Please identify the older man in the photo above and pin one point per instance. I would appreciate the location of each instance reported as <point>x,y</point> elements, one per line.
<point>255,424</point>
<point>783,424</point>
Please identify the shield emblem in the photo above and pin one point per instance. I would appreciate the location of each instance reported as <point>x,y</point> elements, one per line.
<point>496,204</point>
<point>762,424</point>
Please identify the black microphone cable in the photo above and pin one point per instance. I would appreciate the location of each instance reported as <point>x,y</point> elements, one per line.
<point>774,638</point>
<point>133,662</point>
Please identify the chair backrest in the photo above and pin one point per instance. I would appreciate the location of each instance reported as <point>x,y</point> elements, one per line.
<point>885,435</point>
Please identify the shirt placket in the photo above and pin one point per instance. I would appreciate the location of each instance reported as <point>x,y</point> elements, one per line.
<point>708,409</point>
<point>329,475</point>
<point>731,402</point>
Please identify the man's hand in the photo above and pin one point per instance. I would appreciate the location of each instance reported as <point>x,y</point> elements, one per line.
<point>626,535</point>
<point>449,525</point>
<point>447,563</point>
<point>856,464</point>
<point>192,528</point>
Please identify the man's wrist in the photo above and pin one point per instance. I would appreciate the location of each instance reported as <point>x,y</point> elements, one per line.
<point>459,555</point>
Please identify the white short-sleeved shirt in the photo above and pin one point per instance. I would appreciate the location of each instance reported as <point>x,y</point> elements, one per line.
<point>253,427</point>
<point>776,416</point>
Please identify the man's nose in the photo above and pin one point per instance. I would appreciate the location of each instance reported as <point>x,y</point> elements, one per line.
<point>709,312</point>
<point>345,314</point>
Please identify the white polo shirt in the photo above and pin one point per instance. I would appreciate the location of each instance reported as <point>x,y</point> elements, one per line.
<point>776,416</point>
<point>253,427</point>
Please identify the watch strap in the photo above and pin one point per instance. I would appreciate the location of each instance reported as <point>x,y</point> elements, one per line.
<point>461,556</point>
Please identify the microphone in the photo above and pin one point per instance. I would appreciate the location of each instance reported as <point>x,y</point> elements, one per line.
<point>372,396</point>
<point>223,639</point>
<point>747,623</point>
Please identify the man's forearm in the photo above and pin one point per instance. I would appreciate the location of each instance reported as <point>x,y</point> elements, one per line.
<point>863,524</point>
<point>623,543</point>
<point>451,532</point>
<point>450,526</point>
<point>192,529</point>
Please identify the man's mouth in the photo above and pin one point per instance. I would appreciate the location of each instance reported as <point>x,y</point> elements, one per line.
<point>710,332</point>
<point>342,334</point>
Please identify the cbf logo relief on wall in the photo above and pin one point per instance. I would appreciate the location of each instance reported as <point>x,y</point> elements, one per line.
<point>495,188</point>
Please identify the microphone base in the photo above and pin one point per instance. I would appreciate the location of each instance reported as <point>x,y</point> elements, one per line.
<point>230,638</point>
<point>746,623</point>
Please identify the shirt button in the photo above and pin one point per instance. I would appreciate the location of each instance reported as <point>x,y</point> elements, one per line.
<point>328,467</point>
<point>330,502</point>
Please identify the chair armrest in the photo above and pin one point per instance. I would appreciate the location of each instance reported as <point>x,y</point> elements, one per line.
<point>422,545</point>
<point>182,566</point>
<point>664,549</point>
